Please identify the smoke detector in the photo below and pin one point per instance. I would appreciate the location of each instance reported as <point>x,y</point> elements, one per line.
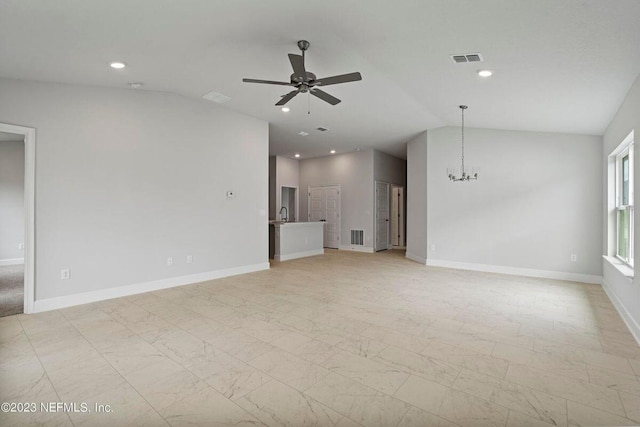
<point>466,57</point>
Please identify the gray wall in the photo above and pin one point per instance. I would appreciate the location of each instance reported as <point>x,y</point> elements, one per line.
<point>390,169</point>
<point>287,175</point>
<point>11,199</point>
<point>272,187</point>
<point>416,196</point>
<point>125,179</point>
<point>354,172</point>
<point>538,200</point>
<point>626,292</point>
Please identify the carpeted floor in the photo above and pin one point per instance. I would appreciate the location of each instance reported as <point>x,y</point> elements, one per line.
<point>11,290</point>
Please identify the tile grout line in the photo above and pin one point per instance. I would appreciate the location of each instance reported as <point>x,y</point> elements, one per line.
<point>271,378</point>
<point>113,367</point>
<point>43,367</point>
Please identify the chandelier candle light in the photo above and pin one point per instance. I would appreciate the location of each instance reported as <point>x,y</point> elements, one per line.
<point>464,176</point>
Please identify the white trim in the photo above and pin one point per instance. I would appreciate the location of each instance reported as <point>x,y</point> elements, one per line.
<point>366,249</point>
<point>29,210</point>
<point>516,271</point>
<point>622,311</point>
<point>138,288</point>
<point>416,258</point>
<point>625,269</point>
<point>296,255</point>
<point>12,261</point>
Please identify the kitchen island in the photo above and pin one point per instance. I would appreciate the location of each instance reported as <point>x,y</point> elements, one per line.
<point>291,240</point>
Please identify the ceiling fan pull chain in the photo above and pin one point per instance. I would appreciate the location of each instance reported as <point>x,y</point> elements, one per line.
<point>308,102</point>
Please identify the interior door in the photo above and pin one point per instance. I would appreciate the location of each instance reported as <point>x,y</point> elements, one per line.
<point>395,220</point>
<point>382,216</point>
<point>324,205</point>
<point>397,216</point>
<point>332,217</point>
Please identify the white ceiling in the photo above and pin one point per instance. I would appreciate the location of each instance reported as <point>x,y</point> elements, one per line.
<point>560,66</point>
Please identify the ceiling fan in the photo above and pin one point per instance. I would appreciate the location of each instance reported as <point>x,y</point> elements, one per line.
<point>305,81</point>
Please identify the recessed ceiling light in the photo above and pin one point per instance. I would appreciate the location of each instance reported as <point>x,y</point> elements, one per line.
<point>118,65</point>
<point>285,109</point>
<point>135,85</point>
<point>303,133</point>
<point>333,151</point>
<point>485,73</point>
<point>296,155</point>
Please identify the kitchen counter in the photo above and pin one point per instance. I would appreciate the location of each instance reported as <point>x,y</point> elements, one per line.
<point>293,240</point>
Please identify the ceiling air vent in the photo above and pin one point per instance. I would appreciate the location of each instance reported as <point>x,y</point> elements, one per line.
<point>321,129</point>
<point>216,97</point>
<point>467,57</point>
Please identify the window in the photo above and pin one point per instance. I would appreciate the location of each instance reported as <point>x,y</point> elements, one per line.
<point>624,204</point>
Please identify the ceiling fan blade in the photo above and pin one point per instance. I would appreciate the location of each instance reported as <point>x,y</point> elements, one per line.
<point>286,98</point>
<point>325,96</point>
<point>334,80</point>
<point>269,82</point>
<point>297,63</point>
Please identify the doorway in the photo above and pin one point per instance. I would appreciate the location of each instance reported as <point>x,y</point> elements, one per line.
<point>382,216</point>
<point>324,205</point>
<point>17,228</point>
<point>397,216</point>
<point>288,204</point>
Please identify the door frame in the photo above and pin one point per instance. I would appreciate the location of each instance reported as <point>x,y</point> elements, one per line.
<point>29,209</point>
<point>401,216</point>
<point>375,216</point>
<point>309,187</point>
<point>297,202</point>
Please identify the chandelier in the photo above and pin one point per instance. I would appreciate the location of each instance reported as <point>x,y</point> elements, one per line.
<point>464,176</point>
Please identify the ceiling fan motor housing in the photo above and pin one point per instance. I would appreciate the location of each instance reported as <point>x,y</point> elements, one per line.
<point>309,78</point>
<point>303,45</point>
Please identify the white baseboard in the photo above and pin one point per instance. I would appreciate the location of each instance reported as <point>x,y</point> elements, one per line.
<point>12,261</point>
<point>139,288</point>
<point>296,255</point>
<point>416,258</point>
<point>516,271</point>
<point>628,319</point>
<point>356,248</point>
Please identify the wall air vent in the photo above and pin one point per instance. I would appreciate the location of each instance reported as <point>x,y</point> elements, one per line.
<point>357,237</point>
<point>466,57</point>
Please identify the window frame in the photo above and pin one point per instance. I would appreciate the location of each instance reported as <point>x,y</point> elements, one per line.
<point>627,152</point>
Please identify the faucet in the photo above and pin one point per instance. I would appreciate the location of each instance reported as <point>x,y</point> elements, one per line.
<point>283,218</point>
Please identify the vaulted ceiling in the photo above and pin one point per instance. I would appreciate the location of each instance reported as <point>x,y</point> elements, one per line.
<point>559,66</point>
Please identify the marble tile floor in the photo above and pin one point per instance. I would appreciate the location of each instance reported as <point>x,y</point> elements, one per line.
<point>344,339</point>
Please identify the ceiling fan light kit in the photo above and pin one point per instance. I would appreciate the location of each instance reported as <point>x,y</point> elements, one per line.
<point>464,176</point>
<point>305,81</point>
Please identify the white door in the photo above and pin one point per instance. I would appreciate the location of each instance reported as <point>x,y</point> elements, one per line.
<point>332,217</point>
<point>324,205</point>
<point>382,216</point>
<point>397,216</point>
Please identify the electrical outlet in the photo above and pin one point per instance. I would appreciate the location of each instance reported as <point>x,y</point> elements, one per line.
<point>170,261</point>
<point>65,274</point>
<point>21,246</point>
<point>189,259</point>
<point>574,257</point>
<point>433,247</point>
